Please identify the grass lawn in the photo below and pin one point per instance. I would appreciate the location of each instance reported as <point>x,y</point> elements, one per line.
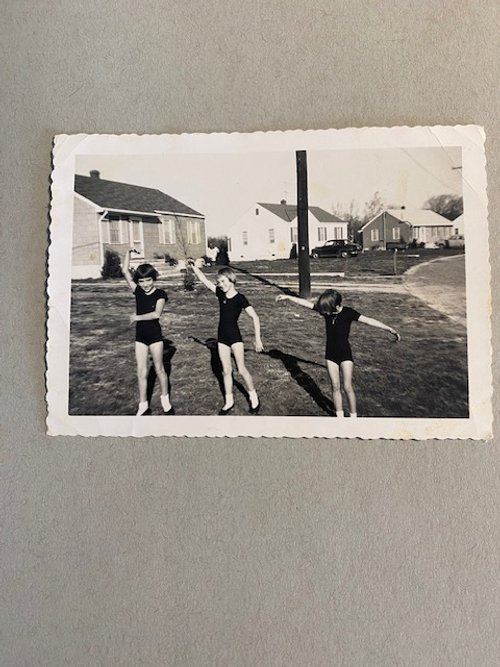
<point>425,375</point>
<point>365,267</point>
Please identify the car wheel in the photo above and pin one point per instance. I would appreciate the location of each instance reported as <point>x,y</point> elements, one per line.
<point>343,254</point>
<point>315,255</point>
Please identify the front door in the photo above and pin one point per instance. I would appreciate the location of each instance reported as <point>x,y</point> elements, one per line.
<point>136,237</point>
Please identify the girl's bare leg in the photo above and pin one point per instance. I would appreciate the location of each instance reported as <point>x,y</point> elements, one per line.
<point>227,372</point>
<point>156,350</point>
<point>347,371</point>
<point>141,356</point>
<point>334,373</point>
<point>239,356</point>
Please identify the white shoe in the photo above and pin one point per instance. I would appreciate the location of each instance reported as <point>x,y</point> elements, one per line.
<point>143,407</point>
<point>166,405</point>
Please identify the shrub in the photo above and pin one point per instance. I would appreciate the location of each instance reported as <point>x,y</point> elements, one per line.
<point>188,280</point>
<point>112,265</point>
<point>222,258</point>
<point>171,261</point>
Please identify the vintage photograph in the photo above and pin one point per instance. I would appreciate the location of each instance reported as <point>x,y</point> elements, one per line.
<point>328,283</point>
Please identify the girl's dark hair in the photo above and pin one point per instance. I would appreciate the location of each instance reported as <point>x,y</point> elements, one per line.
<point>228,272</point>
<point>328,301</point>
<point>144,271</point>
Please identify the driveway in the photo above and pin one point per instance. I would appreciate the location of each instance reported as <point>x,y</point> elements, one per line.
<point>441,285</point>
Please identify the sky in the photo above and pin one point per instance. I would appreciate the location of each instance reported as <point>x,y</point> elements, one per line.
<point>223,186</point>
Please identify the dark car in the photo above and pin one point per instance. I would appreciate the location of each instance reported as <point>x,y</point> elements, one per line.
<point>336,249</point>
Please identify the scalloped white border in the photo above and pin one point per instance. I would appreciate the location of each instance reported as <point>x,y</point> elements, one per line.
<point>469,137</point>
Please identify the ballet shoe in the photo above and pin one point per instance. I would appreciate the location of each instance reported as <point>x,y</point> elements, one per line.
<point>226,411</point>
<point>254,410</point>
<point>143,409</point>
<point>170,412</point>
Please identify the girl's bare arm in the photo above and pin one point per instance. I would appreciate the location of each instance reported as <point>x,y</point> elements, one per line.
<point>256,325</point>
<point>155,315</point>
<point>202,277</point>
<point>295,299</point>
<point>371,322</point>
<point>126,270</point>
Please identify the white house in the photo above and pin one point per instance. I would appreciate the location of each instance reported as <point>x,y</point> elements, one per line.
<point>268,231</point>
<point>459,225</point>
<point>428,226</point>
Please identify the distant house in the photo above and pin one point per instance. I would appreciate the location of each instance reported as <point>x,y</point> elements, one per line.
<point>268,231</point>
<point>109,215</point>
<point>458,226</point>
<point>402,225</point>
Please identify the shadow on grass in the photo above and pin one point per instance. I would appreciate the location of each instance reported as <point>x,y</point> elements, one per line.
<point>168,352</point>
<point>216,365</point>
<point>265,281</point>
<point>305,381</point>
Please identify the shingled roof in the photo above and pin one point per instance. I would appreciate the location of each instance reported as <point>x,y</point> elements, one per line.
<point>126,197</point>
<point>288,212</point>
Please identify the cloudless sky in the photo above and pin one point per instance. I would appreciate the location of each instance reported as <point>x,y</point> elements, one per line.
<point>223,186</point>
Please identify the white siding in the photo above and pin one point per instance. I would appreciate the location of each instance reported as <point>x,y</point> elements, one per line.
<point>252,235</point>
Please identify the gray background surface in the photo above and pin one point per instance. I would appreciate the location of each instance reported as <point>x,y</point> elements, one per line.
<point>241,552</point>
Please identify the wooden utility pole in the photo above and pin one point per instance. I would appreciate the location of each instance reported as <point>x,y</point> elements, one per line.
<point>303,225</point>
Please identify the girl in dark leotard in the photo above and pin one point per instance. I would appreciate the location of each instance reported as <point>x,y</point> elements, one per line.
<point>229,340</point>
<point>338,320</point>
<point>150,302</point>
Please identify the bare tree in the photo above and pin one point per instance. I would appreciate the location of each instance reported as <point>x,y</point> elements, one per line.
<point>356,219</point>
<point>374,206</point>
<point>449,206</point>
<point>181,237</point>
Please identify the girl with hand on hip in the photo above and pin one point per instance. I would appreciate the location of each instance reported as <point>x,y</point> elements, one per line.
<point>338,354</point>
<point>150,302</point>
<point>229,339</point>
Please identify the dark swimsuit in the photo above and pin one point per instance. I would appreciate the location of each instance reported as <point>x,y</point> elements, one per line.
<point>338,327</point>
<point>148,331</point>
<point>230,309</point>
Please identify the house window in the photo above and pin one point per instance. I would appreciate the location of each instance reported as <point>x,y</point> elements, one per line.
<point>193,229</point>
<point>396,233</point>
<point>456,232</point>
<point>322,233</point>
<point>293,235</point>
<point>115,231</point>
<point>271,236</point>
<point>167,232</point>
<point>374,235</point>
<point>244,237</point>
<point>337,233</point>
<point>229,246</point>
<point>256,211</point>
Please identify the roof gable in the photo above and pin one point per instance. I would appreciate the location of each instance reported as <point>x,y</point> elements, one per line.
<point>416,218</point>
<point>420,217</point>
<point>127,197</point>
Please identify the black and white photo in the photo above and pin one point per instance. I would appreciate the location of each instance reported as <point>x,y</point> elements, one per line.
<point>307,284</point>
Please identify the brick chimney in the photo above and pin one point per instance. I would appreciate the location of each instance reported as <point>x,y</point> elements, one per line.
<point>94,173</point>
